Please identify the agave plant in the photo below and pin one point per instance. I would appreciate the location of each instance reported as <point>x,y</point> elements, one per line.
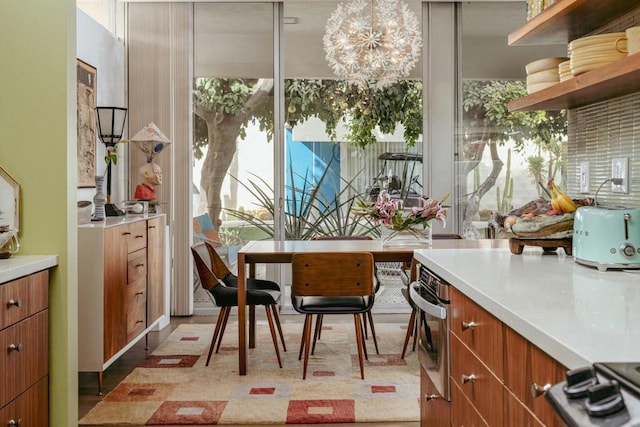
<point>309,213</point>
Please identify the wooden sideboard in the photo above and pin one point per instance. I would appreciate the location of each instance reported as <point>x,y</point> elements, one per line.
<point>24,361</point>
<point>120,287</point>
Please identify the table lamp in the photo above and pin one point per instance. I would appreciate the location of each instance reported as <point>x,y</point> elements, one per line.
<point>110,128</point>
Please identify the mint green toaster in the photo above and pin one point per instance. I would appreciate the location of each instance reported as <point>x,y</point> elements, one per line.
<point>607,237</point>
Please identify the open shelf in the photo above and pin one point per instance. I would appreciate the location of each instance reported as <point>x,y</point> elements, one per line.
<point>567,20</point>
<point>616,79</point>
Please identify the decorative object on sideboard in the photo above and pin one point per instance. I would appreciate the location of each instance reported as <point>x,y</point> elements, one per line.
<point>9,214</point>
<point>99,200</point>
<point>110,129</point>
<point>136,207</point>
<point>84,211</point>
<point>9,243</point>
<point>151,141</point>
<point>375,40</point>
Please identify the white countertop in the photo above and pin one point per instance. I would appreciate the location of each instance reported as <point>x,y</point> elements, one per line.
<point>22,265</point>
<point>575,313</point>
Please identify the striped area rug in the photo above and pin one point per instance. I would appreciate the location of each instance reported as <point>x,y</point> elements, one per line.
<point>174,387</point>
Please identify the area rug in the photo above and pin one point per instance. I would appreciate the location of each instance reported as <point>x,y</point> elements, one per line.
<point>174,387</point>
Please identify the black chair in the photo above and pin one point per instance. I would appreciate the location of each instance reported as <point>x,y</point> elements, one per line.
<point>332,283</point>
<point>225,295</point>
<point>377,288</point>
<point>408,275</point>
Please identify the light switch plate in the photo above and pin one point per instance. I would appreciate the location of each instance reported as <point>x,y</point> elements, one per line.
<point>584,177</point>
<point>620,169</point>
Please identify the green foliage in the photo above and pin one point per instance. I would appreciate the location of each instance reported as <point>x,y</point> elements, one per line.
<point>506,196</point>
<point>310,213</point>
<point>329,100</point>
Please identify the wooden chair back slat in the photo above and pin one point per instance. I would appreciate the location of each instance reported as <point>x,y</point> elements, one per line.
<point>332,274</point>
<point>207,278</point>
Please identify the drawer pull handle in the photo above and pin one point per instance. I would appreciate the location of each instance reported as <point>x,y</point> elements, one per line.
<point>139,293</point>
<point>139,236</point>
<point>14,302</point>
<point>140,265</point>
<point>139,321</point>
<point>468,378</point>
<point>17,423</point>
<point>468,325</point>
<point>126,233</point>
<point>430,397</point>
<point>152,226</point>
<point>537,391</point>
<point>15,347</point>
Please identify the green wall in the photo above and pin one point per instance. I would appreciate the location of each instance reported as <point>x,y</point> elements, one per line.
<point>37,147</point>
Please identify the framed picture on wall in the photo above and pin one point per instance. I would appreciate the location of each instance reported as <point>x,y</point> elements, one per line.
<point>86,76</point>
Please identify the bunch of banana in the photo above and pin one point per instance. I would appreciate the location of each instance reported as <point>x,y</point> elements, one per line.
<point>559,200</point>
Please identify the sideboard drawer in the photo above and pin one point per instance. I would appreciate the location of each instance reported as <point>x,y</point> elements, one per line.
<point>23,297</point>
<point>24,355</point>
<point>136,265</point>
<point>136,320</point>
<point>31,408</point>
<point>136,235</point>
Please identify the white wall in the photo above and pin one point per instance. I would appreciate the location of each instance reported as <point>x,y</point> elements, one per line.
<point>101,49</point>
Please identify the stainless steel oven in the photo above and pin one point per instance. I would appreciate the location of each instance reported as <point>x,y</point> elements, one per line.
<point>430,294</point>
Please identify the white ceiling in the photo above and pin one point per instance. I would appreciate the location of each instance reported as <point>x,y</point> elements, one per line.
<point>235,39</point>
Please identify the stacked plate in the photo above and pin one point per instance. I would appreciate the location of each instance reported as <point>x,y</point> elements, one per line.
<point>543,73</point>
<point>564,69</point>
<point>589,53</point>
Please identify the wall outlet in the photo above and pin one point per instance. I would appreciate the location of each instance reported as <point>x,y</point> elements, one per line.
<point>620,170</point>
<point>584,177</point>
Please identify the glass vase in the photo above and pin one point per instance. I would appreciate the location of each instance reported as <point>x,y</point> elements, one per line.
<point>99,200</point>
<point>414,235</point>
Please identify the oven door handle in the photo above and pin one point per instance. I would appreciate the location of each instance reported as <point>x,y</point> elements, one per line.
<point>424,305</point>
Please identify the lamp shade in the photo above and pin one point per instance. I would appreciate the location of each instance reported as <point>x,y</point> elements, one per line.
<point>111,124</point>
<point>150,140</point>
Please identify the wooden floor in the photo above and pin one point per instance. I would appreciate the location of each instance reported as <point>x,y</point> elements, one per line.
<point>88,382</point>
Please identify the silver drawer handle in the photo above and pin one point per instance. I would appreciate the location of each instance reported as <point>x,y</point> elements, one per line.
<point>14,302</point>
<point>430,397</point>
<point>17,423</point>
<point>468,378</point>
<point>537,391</point>
<point>14,347</point>
<point>468,325</point>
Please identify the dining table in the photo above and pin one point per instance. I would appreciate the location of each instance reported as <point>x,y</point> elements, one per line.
<point>281,252</point>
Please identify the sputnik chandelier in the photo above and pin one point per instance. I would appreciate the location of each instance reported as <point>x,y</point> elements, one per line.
<point>375,40</point>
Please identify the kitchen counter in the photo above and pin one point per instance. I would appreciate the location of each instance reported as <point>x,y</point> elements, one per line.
<point>22,265</point>
<point>575,313</point>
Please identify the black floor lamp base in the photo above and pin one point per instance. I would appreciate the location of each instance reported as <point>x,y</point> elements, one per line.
<point>112,210</point>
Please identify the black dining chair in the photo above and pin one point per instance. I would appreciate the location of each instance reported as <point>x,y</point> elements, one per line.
<point>332,283</point>
<point>225,295</point>
<point>377,289</point>
<point>408,275</point>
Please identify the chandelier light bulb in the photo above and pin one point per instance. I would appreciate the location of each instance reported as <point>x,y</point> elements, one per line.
<point>376,41</point>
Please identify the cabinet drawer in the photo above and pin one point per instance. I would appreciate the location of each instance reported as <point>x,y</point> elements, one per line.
<point>136,235</point>
<point>136,265</point>
<point>435,411</point>
<point>517,414</point>
<point>137,292</point>
<point>484,391</point>
<point>136,320</point>
<point>463,414</point>
<point>31,408</point>
<point>479,330</point>
<point>24,355</point>
<point>23,297</point>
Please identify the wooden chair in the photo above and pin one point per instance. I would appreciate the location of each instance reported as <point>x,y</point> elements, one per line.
<point>408,276</point>
<point>332,283</point>
<point>377,288</point>
<point>259,292</point>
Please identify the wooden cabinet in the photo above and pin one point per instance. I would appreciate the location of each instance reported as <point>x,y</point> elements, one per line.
<point>434,409</point>
<point>24,360</point>
<point>121,287</point>
<point>494,371</point>
<point>563,22</point>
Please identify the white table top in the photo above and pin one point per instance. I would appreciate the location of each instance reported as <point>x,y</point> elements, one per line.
<point>575,313</point>
<point>22,265</point>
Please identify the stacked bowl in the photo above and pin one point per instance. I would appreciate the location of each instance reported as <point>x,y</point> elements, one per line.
<point>564,69</point>
<point>543,73</point>
<point>588,53</point>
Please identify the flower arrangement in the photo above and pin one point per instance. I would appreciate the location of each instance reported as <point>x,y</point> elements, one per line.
<point>390,212</point>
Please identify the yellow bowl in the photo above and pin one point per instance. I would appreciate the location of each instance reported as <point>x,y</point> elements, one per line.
<point>544,64</point>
